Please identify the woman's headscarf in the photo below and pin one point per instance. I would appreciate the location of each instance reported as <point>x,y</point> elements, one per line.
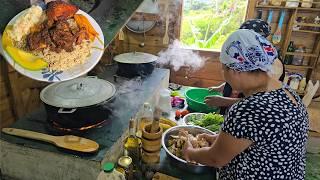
<point>246,50</point>
<point>258,26</point>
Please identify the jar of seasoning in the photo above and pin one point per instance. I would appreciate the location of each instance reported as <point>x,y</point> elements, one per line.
<point>307,3</point>
<point>298,59</point>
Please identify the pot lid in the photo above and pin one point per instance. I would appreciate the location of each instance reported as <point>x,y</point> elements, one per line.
<point>78,92</point>
<point>135,58</point>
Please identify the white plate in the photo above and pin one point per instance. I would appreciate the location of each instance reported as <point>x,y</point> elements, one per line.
<point>74,72</point>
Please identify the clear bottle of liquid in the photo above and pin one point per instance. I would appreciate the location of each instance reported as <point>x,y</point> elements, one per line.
<point>132,143</point>
<point>146,118</point>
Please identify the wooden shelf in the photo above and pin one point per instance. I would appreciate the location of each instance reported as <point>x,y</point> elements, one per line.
<point>301,54</point>
<point>274,7</point>
<point>306,31</point>
<point>308,24</point>
<point>298,67</point>
<point>288,8</point>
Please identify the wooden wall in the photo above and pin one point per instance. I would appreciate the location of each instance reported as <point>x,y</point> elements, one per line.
<point>18,94</point>
<point>6,110</point>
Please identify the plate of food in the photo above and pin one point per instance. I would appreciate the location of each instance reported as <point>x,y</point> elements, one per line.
<point>56,44</point>
<point>210,121</point>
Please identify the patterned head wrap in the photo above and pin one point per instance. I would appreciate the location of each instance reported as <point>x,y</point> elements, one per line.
<point>246,50</point>
<point>257,25</point>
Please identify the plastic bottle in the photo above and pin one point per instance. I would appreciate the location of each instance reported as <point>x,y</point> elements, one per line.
<point>109,173</point>
<point>146,118</point>
<point>165,101</point>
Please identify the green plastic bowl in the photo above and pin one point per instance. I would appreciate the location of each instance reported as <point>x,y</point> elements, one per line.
<point>195,99</point>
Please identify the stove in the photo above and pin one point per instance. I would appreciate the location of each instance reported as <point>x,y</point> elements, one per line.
<point>36,160</point>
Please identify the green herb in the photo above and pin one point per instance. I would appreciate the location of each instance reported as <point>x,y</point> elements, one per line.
<point>211,121</point>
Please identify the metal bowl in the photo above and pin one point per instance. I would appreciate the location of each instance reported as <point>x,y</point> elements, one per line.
<point>194,168</point>
<point>186,118</point>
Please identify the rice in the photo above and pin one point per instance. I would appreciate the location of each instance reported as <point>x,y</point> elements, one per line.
<point>66,60</point>
<point>22,26</point>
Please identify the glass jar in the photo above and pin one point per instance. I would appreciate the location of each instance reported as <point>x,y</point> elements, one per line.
<point>298,59</point>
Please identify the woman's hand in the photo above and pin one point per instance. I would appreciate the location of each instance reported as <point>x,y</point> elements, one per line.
<point>217,88</point>
<point>187,147</point>
<point>208,137</point>
<point>220,101</point>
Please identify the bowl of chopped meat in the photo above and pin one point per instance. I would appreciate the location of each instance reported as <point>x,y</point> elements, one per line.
<point>173,140</point>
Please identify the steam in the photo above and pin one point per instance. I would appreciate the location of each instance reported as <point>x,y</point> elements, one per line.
<point>127,94</point>
<point>178,56</point>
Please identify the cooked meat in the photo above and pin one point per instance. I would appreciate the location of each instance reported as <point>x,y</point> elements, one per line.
<point>38,40</point>
<point>62,36</point>
<point>59,10</point>
<point>56,33</point>
<point>81,35</point>
<point>35,41</point>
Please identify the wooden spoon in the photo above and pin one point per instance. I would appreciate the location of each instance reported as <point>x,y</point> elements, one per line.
<point>70,142</point>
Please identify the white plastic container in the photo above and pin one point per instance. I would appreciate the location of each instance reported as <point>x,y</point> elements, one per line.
<point>307,3</point>
<point>292,3</point>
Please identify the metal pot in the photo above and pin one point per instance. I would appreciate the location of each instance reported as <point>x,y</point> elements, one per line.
<point>194,168</point>
<point>78,103</point>
<point>135,64</point>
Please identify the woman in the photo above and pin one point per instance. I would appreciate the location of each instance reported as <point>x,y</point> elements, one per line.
<point>230,96</point>
<point>264,134</point>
